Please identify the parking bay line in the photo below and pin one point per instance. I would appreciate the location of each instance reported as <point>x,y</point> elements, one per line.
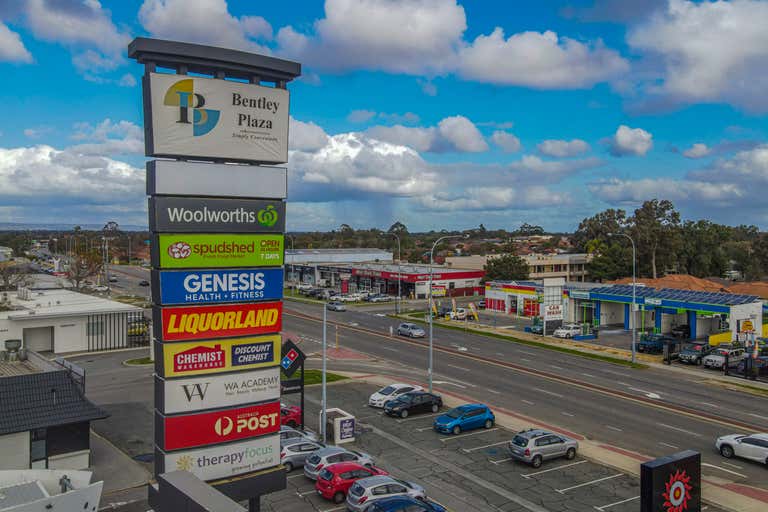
<point>334,509</point>
<point>500,460</point>
<point>601,509</point>
<point>529,475</point>
<point>444,439</point>
<point>563,491</point>
<point>419,417</point>
<point>470,450</point>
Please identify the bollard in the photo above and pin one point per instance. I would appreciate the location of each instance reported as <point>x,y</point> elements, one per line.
<point>725,365</point>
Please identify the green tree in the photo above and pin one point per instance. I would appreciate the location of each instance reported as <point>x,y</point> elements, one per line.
<point>507,267</point>
<point>598,227</point>
<point>702,251</point>
<point>655,228</point>
<point>398,228</point>
<point>610,261</point>
<point>526,229</point>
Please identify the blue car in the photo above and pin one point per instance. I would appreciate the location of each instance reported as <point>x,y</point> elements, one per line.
<point>404,504</point>
<point>465,417</point>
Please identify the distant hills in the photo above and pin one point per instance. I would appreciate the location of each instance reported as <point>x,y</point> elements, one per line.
<point>26,226</point>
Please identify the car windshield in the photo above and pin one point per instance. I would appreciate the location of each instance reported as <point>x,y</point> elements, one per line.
<point>455,413</point>
<point>314,459</point>
<point>326,475</point>
<point>387,390</point>
<point>520,441</point>
<point>694,347</point>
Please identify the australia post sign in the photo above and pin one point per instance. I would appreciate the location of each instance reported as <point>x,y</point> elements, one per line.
<point>210,118</point>
<point>222,321</point>
<point>187,250</point>
<point>216,286</point>
<point>206,428</point>
<point>216,356</point>
<point>212,215</point>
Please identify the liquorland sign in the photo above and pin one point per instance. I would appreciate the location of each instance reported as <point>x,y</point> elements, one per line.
<point>192,214</point>
<point>206,428</point>
<point>214,391</point>
<point>223,461</point>
<point>203,322</point>
<point>216,286</point>
<point>212,118</point>
<point>186,250</point>
<point>216,356</point>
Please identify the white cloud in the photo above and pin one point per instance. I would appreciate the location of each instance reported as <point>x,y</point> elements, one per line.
<point>541,60</point>
<point>637,191</point>
<point>204,22</point>
<point>127,80</point>
<point>306,136</point>
<point>419,138</point>
<point>399,36</point>
<point>108,138</point>
<point>37,131</point>
<point>630,141</point>
<point>709,51</point>
<point>462,134</point>
<point>12,49</point>
<point>698,150</point>
<point>456,133</point>
<point>748,168</point>
<point>492,198</point>
<point>534,169</point>
<point>506,141</point>
<point>361,116</point>
<point>427,87</point>
<point>563,148</point>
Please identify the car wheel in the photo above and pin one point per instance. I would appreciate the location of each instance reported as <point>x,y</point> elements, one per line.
<point>338,497</point>
<point>570,454</point>
<point>567,335</point>
<point>435,408</point>
<point>404,413</point>
<point>536,461</point>
<point>488,423</point>
<point>726,451</point>
<point>288,467</point>
<point>456,430</point>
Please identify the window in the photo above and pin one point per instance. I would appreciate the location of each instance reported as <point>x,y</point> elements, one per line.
<point>543,441</point>
<point>37,449</point>
<point>750,441</point>
<point>348,457</point>
<point>335,458</point>
<point>94,328</point>
<point>349,475</point>
<point>396,489</point>
<point>380,490</point>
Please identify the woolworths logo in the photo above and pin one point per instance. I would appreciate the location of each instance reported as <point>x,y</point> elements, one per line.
<point>266,217</point>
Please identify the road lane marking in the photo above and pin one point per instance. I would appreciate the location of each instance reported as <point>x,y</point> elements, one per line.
<point>617,429</point>
<point>529,475</point>
<point>524,359</point>
<point>458,367</point>
<point>601,509</point>
<point>557,367</point>
<point>563,491</point>
<point>567,414</point>
<point>419,417</point>
<point>444,439</point>
<point>723,469</point>
<point>732,465</point>
<point>714,406</point>
<point>527,352</point>
<point>758,416</point>
<point>306,493</point>
<point>527,402</point>
<point>589,375</point>
<point>499,461</point>
<point>451,383</point>
<point>493,391</point>
<point>296,475</point>
<point>616,373</point>
<point>684,430</point>
<point>669,445</point>
<point>334,509</point>
<point>470,450</point>
<point>558,395</point>
<point>390,349</point>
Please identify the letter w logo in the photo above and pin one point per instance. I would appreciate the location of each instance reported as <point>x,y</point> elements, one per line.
<point>195,390</point>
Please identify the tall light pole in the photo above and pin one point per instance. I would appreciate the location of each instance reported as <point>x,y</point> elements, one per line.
<point>293,256</point>
<point>429,303</point>
<point>634,286</point>
<point>399,271</point>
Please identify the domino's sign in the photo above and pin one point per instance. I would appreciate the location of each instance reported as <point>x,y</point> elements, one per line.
<point>219,286</point>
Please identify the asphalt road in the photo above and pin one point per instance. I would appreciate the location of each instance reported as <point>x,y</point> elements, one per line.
<point>630,409</point>
<point>128,278</point>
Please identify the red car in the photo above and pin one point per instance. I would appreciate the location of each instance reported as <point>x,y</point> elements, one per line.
<point>334,481</point>
<point>290,415</point>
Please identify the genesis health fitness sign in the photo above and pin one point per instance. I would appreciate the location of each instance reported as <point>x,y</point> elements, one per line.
<point>168,214</point>
<point>187,250</point>
<point>210,118</point>
<point>172,287</point>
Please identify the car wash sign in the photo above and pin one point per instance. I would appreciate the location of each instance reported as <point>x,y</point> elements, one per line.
<point>171,214</point>
<point>174,287</point>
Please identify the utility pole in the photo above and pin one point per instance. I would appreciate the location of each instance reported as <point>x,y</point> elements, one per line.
<point>634,287</point>
<point>399,272</point>
<point>324,405</point>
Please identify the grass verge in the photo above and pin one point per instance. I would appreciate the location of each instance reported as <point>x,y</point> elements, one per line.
<point>316,377</point>
<point>419,317</point>
<point>139,361</point>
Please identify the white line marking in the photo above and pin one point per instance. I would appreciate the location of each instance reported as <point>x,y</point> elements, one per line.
<point>458,367</point>
<point>493,391</point>
<point>499,354</point>
<point>557,367</point>
<point>420,417</point>
<point>444,439</point>
<point>524,359</point>
<point>424,429</point>
<point>527,352</point>
<point>558,395</point>
<point>669,445</point>
<point>563,491</point>
<point>589,375</point>
<point>758,416</point>
<point>732,465</point>
<point>684,430</point>
<point>617,503</point>
<point>296,475</point>
<point>723,469</point>
<point>334,509</point>
<point>616,373</point>
<point>617,429</point>
<point>306,493</point>
<point>527,402</point>
<point>529,475</point>
<point>390,349</point>
<point>567,414</point>
<point>714,406</point>
<point>500,460</point>
<point>622,383</point>
<point>470,450</point>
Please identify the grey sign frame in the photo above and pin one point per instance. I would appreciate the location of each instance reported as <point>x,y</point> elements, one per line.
<point>160,220</point>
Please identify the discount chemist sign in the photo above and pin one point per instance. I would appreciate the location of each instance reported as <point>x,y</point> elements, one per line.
<point>185,250</point>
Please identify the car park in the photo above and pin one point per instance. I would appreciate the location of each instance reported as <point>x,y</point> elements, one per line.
<point>410,330</point>
<point>413,403</point>
<point>716,359</point>
<point>653,343</point>
<point>382,396</point>
<point>334,481</point>
<point>405,504</point>
<point>289,433</point>
<point>534,446</point>
<point>694,353</point>
<point>332,455</point>
<point>294,452</point>
<point>759,366</point>
<point>464,417</point>
<point>567,331</point>
<point>369,490</point>
<point>335,306</point>
<point>753,447</point>
<point>290,415</point>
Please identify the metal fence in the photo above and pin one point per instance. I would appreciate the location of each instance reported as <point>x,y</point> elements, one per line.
<point>110,331</point>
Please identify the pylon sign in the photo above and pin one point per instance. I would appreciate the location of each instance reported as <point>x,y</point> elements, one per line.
<point>218,318</point>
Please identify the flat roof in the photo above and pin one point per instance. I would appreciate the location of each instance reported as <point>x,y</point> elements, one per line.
<point>674,294</point>
<point>58,303</point>
<point>336,251</point>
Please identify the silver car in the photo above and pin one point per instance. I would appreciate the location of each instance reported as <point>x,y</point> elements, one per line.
<point>534,446</point>
<point>411,330</point>
<point>716,358</point>
<point>753,447</point>
<point>294,452</point>
<point>290,433</point>
<point>331,455</point>
<point>335,306</point>
<point>368,490</point>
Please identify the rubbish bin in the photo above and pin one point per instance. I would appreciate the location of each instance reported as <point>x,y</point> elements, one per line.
<point>340,426</point>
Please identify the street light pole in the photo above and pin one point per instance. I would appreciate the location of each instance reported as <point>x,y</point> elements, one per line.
<point>634,286</point>
<point>429,303</point>
<point>293,256</point>
<point>399,272</point>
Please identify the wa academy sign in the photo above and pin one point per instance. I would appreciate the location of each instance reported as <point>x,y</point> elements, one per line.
<point>207,215</point>
<point>210,118</point>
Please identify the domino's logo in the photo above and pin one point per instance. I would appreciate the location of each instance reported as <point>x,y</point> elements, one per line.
<point>289,358</point>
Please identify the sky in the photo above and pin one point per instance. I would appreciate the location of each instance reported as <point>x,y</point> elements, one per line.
<point>440,114</point>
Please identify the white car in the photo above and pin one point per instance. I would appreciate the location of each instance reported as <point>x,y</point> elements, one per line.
<point>567,331</point>
<point>716,358</point>
<point>753,447</point>
<point>385,394</point>
<point>459,314</point>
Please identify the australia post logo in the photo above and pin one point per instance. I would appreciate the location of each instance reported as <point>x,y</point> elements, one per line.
<point>182,96</point>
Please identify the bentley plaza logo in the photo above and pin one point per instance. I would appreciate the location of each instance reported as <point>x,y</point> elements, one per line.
<point>182,95</point>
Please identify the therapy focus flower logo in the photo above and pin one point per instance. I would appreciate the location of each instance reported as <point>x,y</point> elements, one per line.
<point>678,492</point>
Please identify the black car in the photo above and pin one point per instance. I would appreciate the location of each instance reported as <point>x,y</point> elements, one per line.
<point>143,283</point>
<point>413,403</point>
<point>694,353</point>
<point>681,331</point>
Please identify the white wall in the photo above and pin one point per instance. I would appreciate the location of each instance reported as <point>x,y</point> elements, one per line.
<point>611,313</point>
<point>14,451</point>
<point>68,333</point>
<point>72,460</point>
<point>752,312</point>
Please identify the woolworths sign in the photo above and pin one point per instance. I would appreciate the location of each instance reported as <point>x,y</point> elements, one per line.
<point>186,250</point>
<point>192,214</point>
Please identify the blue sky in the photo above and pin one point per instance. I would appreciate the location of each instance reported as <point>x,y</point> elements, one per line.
<point>437,113</point>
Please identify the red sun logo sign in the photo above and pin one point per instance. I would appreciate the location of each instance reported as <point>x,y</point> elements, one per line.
<point>678,492</point>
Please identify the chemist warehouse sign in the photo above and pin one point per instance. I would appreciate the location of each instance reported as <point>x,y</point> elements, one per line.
<point>212,286</point>
<point>216,356</point>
